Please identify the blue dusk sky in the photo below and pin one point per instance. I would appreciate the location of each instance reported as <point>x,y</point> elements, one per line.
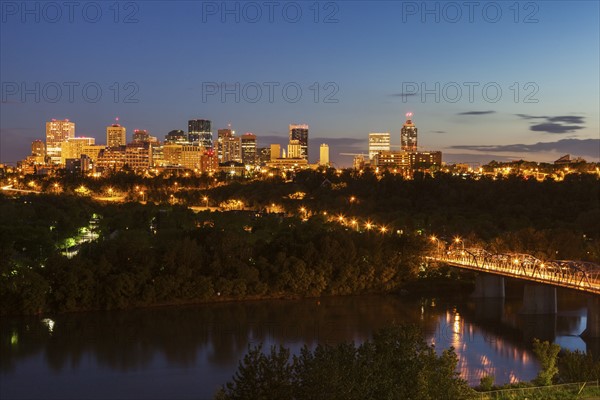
<point>494,80</point>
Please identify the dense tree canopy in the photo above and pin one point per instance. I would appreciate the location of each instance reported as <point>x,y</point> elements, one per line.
<point>395,364</point>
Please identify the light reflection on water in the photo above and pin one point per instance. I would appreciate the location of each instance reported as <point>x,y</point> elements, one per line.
<point>187,352</point>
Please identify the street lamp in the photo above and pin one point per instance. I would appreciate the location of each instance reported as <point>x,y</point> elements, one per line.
<point>383,229</point>
<point>205,198</point>
<point>436,241</point>
<point>458,240</point>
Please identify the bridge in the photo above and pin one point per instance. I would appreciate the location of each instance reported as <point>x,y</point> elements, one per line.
<point>542,277</point>
<point>579,275</point>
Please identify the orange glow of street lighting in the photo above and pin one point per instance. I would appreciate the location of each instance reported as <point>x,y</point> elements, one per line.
<point>383,229</point>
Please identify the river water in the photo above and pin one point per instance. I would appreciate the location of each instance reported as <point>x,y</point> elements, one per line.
<point>188,352</point>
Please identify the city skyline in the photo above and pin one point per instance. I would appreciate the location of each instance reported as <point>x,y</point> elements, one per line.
<point>548,104</point>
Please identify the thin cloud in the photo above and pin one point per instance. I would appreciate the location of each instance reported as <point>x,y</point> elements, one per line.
<point>550,127</point>
<point>527,116</point>
<point>555,125</point>
<point>571,119</point>
<point>477,112</point>
<point>438,131</point>
<point>579,147</point>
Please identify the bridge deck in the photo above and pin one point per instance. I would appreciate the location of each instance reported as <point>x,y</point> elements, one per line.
<point>580,276</point>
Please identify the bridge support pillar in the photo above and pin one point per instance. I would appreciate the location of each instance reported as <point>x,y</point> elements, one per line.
<point>592,329</point>
<point>489,286</point>
<point>539,299</point>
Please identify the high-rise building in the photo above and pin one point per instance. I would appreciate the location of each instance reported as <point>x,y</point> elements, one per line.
<point>57,131</point>
<point>300,133</point>
<point>231,149</point>
<point>378,142</point>
<point>138,156</point>
<point>263,155</point>
<point>176,136</point>
<point>111,159</point>
<point>408,135</point>
<point>73,148</point>
<point>38,151</point>
<point>200,133</point>
<point>275,151</point>
<point>116,135</point>
<point>248,147</point>
<point>295,149</point>
<point>222,135</point>
<point>93,152</point>
<point>324,154</point>
<point>140,136</point>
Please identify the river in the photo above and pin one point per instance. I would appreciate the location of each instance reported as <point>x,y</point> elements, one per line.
<point>188,352</point>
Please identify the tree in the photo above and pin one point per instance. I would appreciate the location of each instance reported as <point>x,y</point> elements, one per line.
<point>547,354</point>
<point>261,377</point>
<point>575,366</point>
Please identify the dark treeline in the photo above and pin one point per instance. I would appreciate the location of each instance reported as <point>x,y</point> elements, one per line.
<point>165,254</point>
<point>149,255</point>
<point>395,364</point>
<point>549,219</point>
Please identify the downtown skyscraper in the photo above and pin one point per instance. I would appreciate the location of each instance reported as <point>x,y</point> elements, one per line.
<point>116,135</point>
<point>200,133</point>
<point>408,135</point>
<point>300,133</point>
<point>378,142</point>
<point>58,131</point>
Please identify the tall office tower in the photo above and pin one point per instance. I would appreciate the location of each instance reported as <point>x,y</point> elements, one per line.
<point>300,133</point>
<point>248,147</point>
<point>294,149</point>
<point>57,131</point>
<point>408,134</point>
<point>275,151</point>
<point>38,153</point>
<point>222,135</point>
<point>324,154</point>
<point>231,148</point>
<point>378,142</point>
<point>38,150</point>
<point>176,136</point>
<point>141,136</point>
<point>116,135</point>
<point>263,155</point>
<point>199,133</point>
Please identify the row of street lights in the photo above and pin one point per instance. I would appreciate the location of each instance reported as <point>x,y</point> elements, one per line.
<point>353,222</point>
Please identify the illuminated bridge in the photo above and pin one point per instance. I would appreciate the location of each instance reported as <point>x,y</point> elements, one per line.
<point>579,275</point>
<point>543,278</point>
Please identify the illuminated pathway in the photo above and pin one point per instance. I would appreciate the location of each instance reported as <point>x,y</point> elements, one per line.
<point>579,275</point>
